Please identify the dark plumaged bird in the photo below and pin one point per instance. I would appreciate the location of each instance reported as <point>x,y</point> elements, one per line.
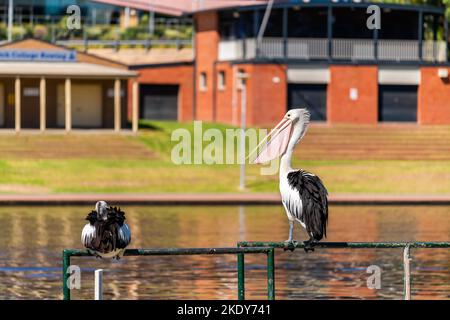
<point>303,194</point>
<point>106,235</point>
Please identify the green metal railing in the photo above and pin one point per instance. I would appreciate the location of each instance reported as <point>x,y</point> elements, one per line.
<point>359,245</point>
<point>68,253</point>
<point>262,247</point>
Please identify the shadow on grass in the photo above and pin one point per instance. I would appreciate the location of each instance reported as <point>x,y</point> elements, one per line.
<point>148,125</point>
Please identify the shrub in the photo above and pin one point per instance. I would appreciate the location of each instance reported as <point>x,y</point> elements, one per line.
<point>40,31</point>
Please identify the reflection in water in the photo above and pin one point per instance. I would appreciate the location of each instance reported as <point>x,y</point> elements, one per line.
<point>32,239</point>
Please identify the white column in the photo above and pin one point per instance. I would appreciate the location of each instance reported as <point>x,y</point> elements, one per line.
<point>10,19</point>
<point>407,272</point>
<point>68,104</point>
<point>17,104</point>
<point>117,113</point>
<point>42,104</point>
<point>98,284</point>
<point>135,106</point>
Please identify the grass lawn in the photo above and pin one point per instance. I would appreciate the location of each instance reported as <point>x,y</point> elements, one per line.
<point>108,163</point>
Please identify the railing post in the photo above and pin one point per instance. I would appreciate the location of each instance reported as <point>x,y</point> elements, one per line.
<point>271,274</point>
<point>255,31</point>
<point>407,273</point>
<point>446,38</point>
<point>375,44</point>
<point>241,276</point>
<point>66,264</point>
<point>98,285</point>
<point>330,31</point>
<point>85,40</point>
<point>285,32</point>
<point>420,33</point>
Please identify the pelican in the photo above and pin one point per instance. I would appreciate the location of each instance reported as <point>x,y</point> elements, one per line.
<point>106,235</point>
<point>303,194</point>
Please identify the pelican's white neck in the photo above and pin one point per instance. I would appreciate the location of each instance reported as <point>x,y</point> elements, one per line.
<point>285,163</point>
<point>286,158</point>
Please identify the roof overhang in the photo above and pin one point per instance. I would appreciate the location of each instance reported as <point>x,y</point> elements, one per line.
<point>185,7</point>
<point>62,69</point>
<point>182,7</point>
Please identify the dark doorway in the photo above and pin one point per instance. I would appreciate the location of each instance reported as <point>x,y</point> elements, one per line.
<point>397,103</point>
<point>30,104</point>
<point>158,102</point>
<point>311,96</point>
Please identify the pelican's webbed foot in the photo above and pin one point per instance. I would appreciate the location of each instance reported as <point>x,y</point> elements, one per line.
<point>119,255</point>
<point>309,245</point>
<point>290,245</point>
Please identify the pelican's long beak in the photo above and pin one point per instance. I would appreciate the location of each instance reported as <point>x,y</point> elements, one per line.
<point>275,143</point>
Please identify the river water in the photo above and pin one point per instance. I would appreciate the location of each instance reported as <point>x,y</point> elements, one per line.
<point>32,239</point>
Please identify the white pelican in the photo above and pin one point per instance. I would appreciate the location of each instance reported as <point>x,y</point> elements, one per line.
<point>106,235</point>
<point>303,194</point>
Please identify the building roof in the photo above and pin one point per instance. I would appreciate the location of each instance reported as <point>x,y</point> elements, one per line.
<point>62,69</point>
<point>133,56</point>
<point>180,7</point>
<point>38,44</point>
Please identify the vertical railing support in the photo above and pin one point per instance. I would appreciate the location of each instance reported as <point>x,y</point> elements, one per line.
<point>241,276</point>
<point>255,31</point>
<point>330,31</point>
<point>98,288</point>
<point>375,44</point>
<point>66,264</point>
<point>407,273</point>
<point>420,34</point>
<point>285,33</point>
<point>271,274</point>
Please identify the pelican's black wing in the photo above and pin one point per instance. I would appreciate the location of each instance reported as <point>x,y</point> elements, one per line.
<point>122,234</point>
<point>314,202</point>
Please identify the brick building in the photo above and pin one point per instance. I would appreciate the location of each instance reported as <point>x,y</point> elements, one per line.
<point>45,86</point>
<point>318,54</point>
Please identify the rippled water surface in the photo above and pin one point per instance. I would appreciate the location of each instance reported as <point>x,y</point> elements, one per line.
<point>32,239</point>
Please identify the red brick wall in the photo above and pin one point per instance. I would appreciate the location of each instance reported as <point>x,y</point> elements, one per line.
<point>225,102</point>
<point>433,98</point>
<point>340,108</point>
<point>206,45</point>
<point>267,97</point>
<point>181,75</point>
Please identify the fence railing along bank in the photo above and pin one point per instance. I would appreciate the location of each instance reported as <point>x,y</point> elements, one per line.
<point>336,49</point>
<point>267,248</point>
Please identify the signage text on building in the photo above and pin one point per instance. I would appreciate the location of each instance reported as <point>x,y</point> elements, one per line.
<point>38,55</point>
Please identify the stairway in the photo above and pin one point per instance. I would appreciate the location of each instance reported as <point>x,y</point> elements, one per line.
<point>375,142</point>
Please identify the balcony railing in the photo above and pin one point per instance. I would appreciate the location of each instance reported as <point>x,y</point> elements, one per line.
<point>338,49</point>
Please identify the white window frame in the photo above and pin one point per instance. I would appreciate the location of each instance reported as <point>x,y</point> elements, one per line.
<point>203,81</point>
<point>221,80</point>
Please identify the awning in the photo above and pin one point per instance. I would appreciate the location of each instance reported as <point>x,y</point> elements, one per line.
<point>180,7</point>
<point>62,69</point>
<point>399,75</point>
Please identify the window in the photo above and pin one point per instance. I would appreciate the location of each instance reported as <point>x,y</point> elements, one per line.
<point>241,76</point>
<point>203,81</point>
<point>221,80</point>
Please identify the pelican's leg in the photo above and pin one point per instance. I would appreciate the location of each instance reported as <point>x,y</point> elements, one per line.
<point>290,243</point>
<point>120,254</point>
<point>291,231</point>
